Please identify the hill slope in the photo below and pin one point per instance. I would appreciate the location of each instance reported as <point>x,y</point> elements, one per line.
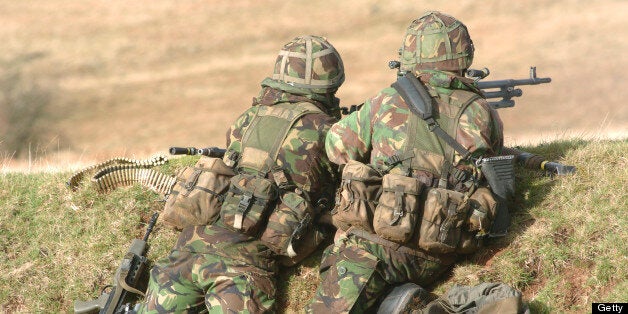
<point>87,80</point>
<point>565,250</point>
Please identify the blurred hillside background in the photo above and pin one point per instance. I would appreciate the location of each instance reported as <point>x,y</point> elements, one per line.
<point>83,81</point>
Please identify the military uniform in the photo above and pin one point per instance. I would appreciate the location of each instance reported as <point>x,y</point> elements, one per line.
<point>361,267</point>
<point>222,269</point>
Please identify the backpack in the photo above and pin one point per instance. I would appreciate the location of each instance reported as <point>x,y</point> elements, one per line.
<point>485,298</point>
<point>260,202</point>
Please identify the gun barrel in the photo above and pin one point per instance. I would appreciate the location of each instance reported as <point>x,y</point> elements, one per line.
<point>183,151</point>
<point>212,152</point>
<point>533,161</point>
<point>558,168</point>
<point>151,224</point>
<point>513,82</point>
<point>502,104</point>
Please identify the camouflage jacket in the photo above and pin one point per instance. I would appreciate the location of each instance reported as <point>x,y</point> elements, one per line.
<point>380,128</point>
<point>302,154</point>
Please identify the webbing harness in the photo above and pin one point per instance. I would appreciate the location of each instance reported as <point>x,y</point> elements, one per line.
<point>498,170</point>
<point>265,135</point>
<point>420,103</point>
<point>261,143</point>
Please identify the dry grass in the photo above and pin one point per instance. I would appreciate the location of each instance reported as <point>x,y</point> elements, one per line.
<point>135,78</point>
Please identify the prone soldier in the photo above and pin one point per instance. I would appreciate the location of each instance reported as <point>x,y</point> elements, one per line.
<point>283,183</point>
<point>412,198</point>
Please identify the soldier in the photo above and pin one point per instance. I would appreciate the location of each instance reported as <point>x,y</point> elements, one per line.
<point>284,183</point>
<point>367,259</point>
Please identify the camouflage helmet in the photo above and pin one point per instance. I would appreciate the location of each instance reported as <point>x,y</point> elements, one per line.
<point>436,41</point>
<point>310,62</point>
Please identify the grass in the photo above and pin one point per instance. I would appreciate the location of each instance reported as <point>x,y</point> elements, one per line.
<point>565,250</point>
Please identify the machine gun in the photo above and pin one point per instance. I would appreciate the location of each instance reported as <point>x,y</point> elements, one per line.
<point>504,89</point>
<point>208,151</point>
<point>506,92</point>
<point>125,281</point>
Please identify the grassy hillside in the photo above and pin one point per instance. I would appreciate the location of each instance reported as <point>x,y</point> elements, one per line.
<point>81,81</point>
<point>565,250</point>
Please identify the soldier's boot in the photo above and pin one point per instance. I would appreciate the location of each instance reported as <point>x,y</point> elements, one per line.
<point>404,299</point>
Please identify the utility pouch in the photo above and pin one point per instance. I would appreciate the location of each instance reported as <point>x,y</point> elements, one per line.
<point>248,202</point>
<point>357,196</point>
<point>197,195</point>
<point>397,211</point>
<point>287,224</point>
<point>444,226</point>
<point>483,209</point>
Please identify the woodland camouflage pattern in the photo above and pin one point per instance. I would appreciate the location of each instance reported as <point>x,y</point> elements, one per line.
<point>379,128</point>
<point>302,154</point>
<point>436,41</point>
<point>354,277</point>
<point>209,268</point>
<point>372,134</point>
<point>232,268</point>
<point>310,62</point>
<point>224,270</point>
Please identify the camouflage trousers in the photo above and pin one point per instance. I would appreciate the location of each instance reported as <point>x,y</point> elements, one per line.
<point>356,273</point>
<point>213,270</point>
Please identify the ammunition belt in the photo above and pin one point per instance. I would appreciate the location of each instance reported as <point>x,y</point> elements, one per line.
<point>120,171</point>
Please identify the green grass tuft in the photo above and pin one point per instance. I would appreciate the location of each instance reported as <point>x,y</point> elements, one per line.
<point>565,249</point>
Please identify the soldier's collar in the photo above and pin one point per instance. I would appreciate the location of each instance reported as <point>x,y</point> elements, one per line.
<point>274,92</point>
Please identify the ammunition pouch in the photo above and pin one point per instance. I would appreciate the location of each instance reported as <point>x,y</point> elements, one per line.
<point>398,208</point>
<point>288,223</point>
<point>248,202</point>
<point>445,224</point>
<point>357,196</point>
<point>483,208</point>
<point>197,196</point>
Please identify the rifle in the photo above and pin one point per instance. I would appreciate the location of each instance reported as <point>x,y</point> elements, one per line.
<point>125,281</point>
<point>506,88</point>
<point>208,151</point>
